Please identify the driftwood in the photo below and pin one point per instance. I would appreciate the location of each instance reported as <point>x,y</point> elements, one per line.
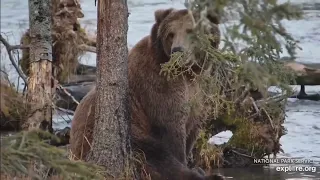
<point>307,73</point>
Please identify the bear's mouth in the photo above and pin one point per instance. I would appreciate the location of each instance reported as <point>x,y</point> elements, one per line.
<point>187,63</point>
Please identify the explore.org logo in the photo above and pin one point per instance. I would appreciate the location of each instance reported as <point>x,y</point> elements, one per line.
<point>296,169</point>
<point>282,161</point>
<point>289,164</point>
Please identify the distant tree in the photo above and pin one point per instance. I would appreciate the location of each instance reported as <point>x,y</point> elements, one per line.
<point>111,144</point>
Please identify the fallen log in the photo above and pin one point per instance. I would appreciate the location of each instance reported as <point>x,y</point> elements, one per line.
<point>306,73</point>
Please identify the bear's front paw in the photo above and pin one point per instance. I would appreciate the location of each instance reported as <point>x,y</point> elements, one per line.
<point>214,177</point>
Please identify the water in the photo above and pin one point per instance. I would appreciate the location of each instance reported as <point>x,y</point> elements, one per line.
<point>303,138</point>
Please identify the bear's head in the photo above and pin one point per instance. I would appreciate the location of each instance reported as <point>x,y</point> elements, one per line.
<point>171,30</point>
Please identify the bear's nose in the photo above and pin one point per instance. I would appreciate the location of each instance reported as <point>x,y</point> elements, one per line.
<point>176,49</point>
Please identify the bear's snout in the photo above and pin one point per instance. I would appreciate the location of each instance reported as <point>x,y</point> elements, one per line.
<point>176,49</point>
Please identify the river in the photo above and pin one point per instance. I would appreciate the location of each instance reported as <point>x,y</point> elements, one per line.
<point>303,137</point>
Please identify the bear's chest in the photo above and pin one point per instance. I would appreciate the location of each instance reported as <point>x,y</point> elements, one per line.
<point>174,103</point>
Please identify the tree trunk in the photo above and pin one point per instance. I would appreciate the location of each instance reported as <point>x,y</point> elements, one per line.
<point>111,143</point>
<point>39,84</point>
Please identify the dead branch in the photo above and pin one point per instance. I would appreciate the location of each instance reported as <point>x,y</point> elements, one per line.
<point>4,77</point>
<point>67,93</point>
<point>9,48</point>
<point>276,98</point>
<point>64,90</point>
<point>242,96</point>
<point>241,154</point>
<point>255,105</point>
<point>269,118</point>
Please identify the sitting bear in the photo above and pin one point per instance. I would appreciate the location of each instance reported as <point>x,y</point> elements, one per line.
<point>162,126</point>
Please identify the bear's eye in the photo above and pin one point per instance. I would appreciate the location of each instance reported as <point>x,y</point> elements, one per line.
<point>170,35</point>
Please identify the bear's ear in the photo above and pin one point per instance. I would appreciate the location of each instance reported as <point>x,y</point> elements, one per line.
<point>160,14</point>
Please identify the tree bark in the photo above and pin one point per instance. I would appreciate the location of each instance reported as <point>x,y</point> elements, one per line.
<point>39,84</point>
<point>111,143</point>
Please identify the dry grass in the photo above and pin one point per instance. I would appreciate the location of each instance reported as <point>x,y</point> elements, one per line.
<point>12,104</point>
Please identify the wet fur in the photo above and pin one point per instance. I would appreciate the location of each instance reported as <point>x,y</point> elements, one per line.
<point>162,126</point>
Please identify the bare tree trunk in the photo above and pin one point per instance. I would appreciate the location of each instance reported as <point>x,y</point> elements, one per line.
<point>111,139</point>
<point>39,84</point>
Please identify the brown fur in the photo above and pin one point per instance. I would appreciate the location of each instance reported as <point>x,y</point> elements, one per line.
<point>162,126</point>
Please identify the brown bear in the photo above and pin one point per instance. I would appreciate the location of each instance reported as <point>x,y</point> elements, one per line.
<point>162,126</point>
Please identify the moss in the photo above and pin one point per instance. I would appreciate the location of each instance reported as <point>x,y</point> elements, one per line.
<point>229,119</point>
<point>246,137</point>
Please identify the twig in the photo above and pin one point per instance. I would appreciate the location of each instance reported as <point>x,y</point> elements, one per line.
<point>242,96</point>
<point>255,105</point>
<point>254,116</point>
<point>66,111</point>
<point>67,93</point>
<point>241,154</point>
<point>252,151</point>
<point>5,76</point>
<point>55,108</point>
<point>85,47</point>
<point>9,48</point>
<point>276,98</point>
<point>64,89</point>
<point>269,118</point>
